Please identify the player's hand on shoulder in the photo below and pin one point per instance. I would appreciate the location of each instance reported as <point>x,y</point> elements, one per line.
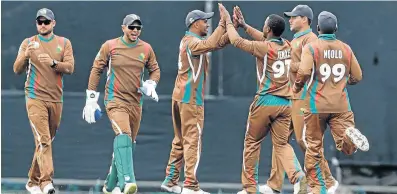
<point>148,88</point>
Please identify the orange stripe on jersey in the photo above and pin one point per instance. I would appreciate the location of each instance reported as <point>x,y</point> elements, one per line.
<point>271,54</point>
<point>116,85</point>
<point>59,76</point>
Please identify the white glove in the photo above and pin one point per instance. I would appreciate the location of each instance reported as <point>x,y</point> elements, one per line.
<point>91,106</point>
<point>149,89</point>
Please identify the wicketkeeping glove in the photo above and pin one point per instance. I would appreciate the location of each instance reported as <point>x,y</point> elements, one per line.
<point>92,111</point>
<point>149,89</point>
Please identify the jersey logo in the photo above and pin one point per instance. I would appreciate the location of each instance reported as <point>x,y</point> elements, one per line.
<point>297,44</point>
<point>141,56</point>
<point>59,49</point>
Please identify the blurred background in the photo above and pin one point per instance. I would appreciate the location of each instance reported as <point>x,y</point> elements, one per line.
<point>82,152</point>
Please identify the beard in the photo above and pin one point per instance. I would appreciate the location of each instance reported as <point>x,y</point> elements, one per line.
<point>45,33</point>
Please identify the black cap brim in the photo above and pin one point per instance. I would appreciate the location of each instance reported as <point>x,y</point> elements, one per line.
<point>290,14</point>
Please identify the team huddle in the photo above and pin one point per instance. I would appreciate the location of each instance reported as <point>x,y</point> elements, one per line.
<point>301,89</point>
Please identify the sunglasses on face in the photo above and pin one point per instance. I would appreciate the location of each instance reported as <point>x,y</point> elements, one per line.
<point>46,22</point>
<point>133,27</point>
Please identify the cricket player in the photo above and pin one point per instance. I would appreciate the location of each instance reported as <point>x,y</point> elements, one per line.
<point>300,19</point>
<point>45,57</point>
<point>125,59</point>
<point>328,65</point>
<point>188,100</point>
<point>270,110</point>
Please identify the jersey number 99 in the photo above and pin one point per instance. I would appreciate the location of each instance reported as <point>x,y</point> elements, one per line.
<point>338,71</point>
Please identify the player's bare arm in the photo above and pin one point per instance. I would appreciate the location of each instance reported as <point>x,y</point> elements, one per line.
<point>356,74</point>
<point>305,69</point>
<point>239,19</point>
<point>153,67</point>
<point>23,56</point>
<point>67,65</point>
<point>100,62</point>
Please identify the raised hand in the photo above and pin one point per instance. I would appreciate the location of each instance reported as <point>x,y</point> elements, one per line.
<point>224,12</point>
<point>238,16</point>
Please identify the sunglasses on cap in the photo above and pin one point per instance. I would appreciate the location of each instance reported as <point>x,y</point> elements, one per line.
<point>46,22</point>
<point>133,27</point>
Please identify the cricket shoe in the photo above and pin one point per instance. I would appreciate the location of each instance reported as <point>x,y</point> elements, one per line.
<point>173,189</point>
<point>49,189</point>
<point>265,189</point>
<point>116,190</point>
<point>242,192</point>
<point>301,186</point>
<point>333,188</point>
<point>189,191</point>
<point>130,188</point>
<point>359,140</point>
<point>33,189</point>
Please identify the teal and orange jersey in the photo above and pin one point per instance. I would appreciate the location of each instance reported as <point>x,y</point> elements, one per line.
<point>125,64</point>
<point>297,44</point>
<point>327,66</point>
<point>273,58</point>
<point>44,82</point>
<point>193,65</point>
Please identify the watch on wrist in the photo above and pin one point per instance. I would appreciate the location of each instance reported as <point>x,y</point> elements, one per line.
<point>54,63</point>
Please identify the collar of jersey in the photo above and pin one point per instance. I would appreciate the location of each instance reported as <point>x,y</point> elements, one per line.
<point>277,40</point>
<point>299,34</point>
<point>193,34</point>
<point>129,44</point>
<point>327,36</point>
<point>46,39</point>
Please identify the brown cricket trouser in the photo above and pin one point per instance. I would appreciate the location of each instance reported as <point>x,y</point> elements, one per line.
<point>316,125</point>
<point>277,174</point>
<point>188,120</point>
<point>268,113</point>
<point>125,118</point>
<point>44,118</point>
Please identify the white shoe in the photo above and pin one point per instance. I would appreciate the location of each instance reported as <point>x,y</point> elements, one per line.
<point>130,188</point>
<point>49,189</point>
<point>173,189</point>
<point>242,192</point>
<point>264,189</point>
<point>301,186</point>
<point>189,191</point>
<point>359,140</point>
<point>33,189</point>
<point>116,190</point>
<point>332,189</point>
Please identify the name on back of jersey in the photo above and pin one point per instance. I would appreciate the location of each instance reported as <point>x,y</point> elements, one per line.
<point>284,54</point>
<point>333,54</point>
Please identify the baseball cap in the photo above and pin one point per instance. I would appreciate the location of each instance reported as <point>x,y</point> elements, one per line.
<point>131,18</point>
<point>300,10</point>
<point>327,21</point>
<point>197,15</point>
<point>47,13</point>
